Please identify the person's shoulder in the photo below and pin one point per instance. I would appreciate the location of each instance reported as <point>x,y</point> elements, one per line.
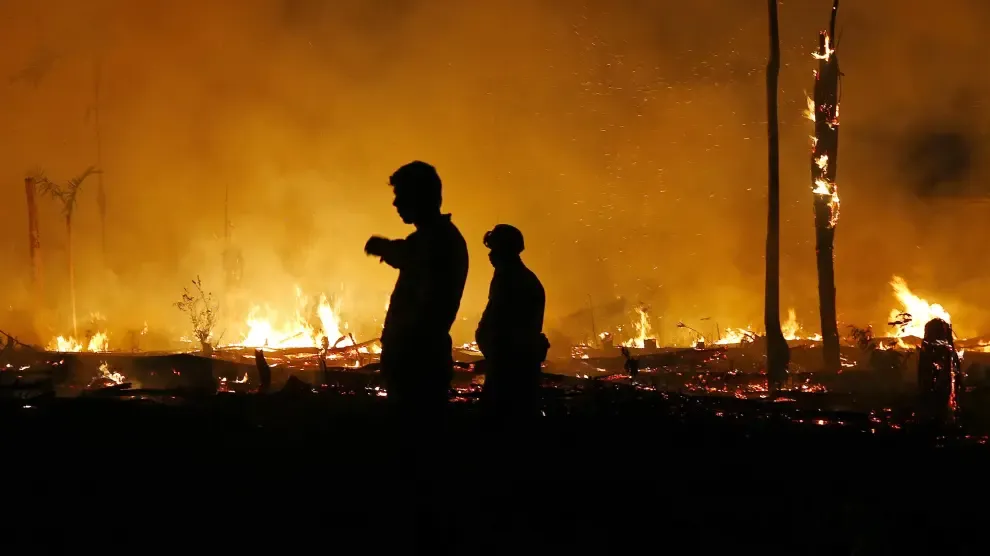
<point>455,232</point>
<point>533,278</point>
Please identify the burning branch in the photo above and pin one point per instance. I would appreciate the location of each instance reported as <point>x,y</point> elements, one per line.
<point>882,359</point>
<point>66,195</point>
<point>701,337</point>
<point>824,112</point>
<point>203,312</point>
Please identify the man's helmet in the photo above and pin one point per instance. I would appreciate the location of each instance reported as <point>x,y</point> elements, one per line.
<point>504,238</point>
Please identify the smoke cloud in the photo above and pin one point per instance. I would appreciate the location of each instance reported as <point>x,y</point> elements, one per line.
<point>625,138</point>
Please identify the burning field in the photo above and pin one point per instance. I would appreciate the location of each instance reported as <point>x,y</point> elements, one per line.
<point>240,151</point>
<point>309,352</point>
<point>187,307</point>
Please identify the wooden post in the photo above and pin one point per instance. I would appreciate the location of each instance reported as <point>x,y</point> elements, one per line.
<point>824,162</point>
<point>101,194</point>
<point>34,241</point>
<point>72,271</point>
<point>778,353</point>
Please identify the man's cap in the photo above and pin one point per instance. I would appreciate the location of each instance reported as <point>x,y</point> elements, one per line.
<point>418,176</point>
<point>505,238</point>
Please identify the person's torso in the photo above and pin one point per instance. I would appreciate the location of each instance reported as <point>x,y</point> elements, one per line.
<point>427,293</point>
<point>517,307</point>
<point>522,297</point>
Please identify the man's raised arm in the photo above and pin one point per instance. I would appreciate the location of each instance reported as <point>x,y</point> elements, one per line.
<point>391,251</point>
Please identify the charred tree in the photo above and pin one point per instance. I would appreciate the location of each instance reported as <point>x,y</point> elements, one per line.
<point>66,196</point>
<point>34,239</point>
<point>778,353</point>
<point>203,313</point>
<point>101,195</point>
<point>940,375</point>
<point>824,159</point>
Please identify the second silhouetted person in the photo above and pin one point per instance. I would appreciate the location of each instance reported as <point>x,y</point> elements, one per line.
<point>510,334</point>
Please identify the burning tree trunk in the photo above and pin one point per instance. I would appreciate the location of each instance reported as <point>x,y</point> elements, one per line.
<point>939,374</point>
<point>778,354</point>
<point>67,197</point>
<point>34,239</point>
<point>824,158</point>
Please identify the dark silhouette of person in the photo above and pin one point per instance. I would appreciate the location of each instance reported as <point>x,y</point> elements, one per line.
<point>417,352</point>
<point>631,364</point>
<point>510,334</point>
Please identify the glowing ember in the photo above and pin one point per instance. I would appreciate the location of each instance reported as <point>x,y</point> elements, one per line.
<point>305,328</point>
<point>471,347</point>
<point>914,313</point>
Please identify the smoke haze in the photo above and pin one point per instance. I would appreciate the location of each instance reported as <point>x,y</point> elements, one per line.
<point>625,138</point>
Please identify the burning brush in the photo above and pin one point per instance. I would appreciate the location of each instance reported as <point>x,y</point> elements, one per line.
<point>107,378</point>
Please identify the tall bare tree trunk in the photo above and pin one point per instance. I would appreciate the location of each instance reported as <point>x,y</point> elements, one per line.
<point>34,242</point>
<point>101,195</point>
<point>778,353</point>
<point>72,273</point>
<point>824,162</point>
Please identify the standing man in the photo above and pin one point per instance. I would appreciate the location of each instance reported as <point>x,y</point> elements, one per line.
<point>510,334</point>
<point>417,357</point>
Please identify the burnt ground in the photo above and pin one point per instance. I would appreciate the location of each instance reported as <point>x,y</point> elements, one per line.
<point>610,470</point>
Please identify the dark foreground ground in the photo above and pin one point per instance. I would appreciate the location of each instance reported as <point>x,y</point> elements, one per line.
<point>627,473</point>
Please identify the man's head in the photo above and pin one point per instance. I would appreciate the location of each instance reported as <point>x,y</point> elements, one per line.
<point>505,243</point>
<point>417,191</point>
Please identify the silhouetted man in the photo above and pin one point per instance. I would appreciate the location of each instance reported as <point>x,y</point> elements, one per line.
<point>510,334</point>
<point>416,359</point>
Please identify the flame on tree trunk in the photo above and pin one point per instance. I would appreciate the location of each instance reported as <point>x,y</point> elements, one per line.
<point>778,353</point>
<point>940,375</point>
<point>824,158</point>
<point>34,240</point>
